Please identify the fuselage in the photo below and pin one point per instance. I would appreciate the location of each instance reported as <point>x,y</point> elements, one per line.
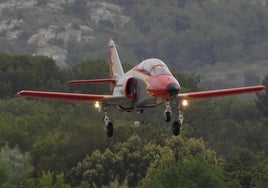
<point>148,84</point>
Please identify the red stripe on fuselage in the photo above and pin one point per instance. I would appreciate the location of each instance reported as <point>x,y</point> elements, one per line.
<point>157,85</point>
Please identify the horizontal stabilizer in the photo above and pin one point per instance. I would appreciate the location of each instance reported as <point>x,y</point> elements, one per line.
<point>221,92</point>
<point>95,81</point>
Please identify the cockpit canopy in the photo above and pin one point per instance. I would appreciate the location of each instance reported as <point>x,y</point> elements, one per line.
<point>153,67</point>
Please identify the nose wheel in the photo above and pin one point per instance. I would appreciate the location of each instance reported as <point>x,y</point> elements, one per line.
<point>176,126</point>
<point>109,129</point>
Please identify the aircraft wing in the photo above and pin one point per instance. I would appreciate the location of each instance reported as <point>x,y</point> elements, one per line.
<point>220,92</point>
<point>76,97</point>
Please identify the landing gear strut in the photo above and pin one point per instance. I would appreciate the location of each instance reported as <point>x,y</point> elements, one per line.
<point>108,124</point>
<point>167,112</point>
<point>176,126</point>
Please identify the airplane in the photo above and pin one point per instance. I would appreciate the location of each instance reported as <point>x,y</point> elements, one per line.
<point>146,85</point>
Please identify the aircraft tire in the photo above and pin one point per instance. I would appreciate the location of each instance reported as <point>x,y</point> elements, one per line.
<point>167,117</point>
<point>109,129</point>
<point>176,126</point>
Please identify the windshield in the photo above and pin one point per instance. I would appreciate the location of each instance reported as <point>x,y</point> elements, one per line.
<point>153,67</point>
<point>159,69</point>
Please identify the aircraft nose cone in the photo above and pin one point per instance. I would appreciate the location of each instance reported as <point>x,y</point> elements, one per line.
<point>173,89</point>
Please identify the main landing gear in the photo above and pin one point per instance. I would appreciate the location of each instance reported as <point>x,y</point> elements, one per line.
<point>176,125</point>
<point>108,124</point>
<point>167,112</point>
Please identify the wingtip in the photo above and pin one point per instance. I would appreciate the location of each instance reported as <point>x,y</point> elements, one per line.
<point>261,87</point>
<point>19,94</point>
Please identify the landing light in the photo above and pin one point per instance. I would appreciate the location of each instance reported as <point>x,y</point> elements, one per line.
<point>184,102</point>
<point>97,105</point>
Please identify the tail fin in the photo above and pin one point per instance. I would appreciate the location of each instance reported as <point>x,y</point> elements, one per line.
<point>116,70</point>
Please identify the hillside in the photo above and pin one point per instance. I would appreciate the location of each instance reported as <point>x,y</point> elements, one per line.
<point>222,40</point>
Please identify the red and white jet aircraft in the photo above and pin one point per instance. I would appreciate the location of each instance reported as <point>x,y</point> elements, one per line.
<point>146,85</point>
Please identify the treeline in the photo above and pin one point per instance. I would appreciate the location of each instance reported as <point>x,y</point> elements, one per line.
<point>197,32</point>
<point>56,144</point>
<point>41,73</point>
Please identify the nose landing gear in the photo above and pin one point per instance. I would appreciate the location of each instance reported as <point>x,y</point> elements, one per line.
<point>176,125</point>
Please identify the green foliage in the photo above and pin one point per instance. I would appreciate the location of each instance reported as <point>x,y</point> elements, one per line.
<point>123,163</point>
<point>28,72</point>
<point>15,165</point>
<point>197,32</point>
<point>248,168</point>
<point>193,172</point>
<point>262,102</point>
<point>87,70</point>
<point>128,162</point>
<point>195,166</point>
<point>4,173</point>
<point>56,157</point>
<point>48,179</point>
<point>22,120</point>
<point>191,81</point>
<point>46,143</point>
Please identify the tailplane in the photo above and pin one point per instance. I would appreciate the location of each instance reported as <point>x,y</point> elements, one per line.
<point>116,70</point>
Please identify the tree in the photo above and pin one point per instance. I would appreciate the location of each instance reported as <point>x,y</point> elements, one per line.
<point>195,166</point>
<point>28,72</point>
<point>90,69</point>
<point>262,99</point>
<point>4,173</point>
<point>247,168</point>
<point>16,166</point>
<point>48,179</point>
<point>122,164</point>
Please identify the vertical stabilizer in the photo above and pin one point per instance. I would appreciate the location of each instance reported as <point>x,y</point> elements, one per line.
<point>116,69</point>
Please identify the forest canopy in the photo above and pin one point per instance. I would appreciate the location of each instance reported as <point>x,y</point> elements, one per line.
<point>56,144</point>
